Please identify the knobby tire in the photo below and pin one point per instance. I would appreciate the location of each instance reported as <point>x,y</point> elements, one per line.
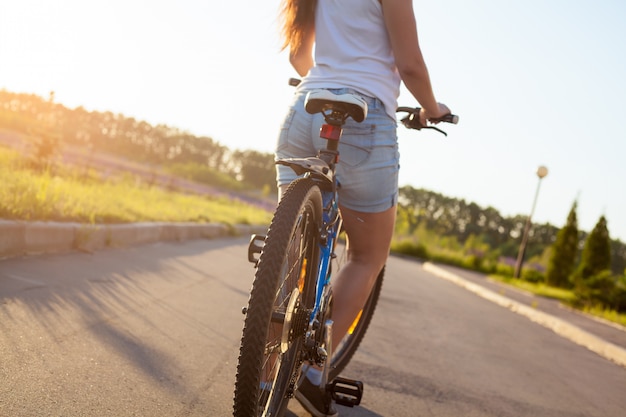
<point>291,238</point>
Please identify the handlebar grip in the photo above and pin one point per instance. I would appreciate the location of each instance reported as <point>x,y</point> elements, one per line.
<point>449,118</point>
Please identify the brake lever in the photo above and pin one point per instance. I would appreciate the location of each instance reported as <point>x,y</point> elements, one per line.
<point>412,121</point>
<point>436,128</point>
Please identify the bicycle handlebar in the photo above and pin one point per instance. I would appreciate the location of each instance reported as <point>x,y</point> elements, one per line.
<point>412,120</point>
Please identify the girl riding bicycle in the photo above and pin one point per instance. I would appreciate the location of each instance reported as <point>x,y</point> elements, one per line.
<point>366,47</point>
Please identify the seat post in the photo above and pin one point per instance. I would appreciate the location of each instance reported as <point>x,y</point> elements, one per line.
<point>331,131</point>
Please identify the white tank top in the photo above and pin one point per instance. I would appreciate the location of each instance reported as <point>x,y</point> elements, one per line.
<point>352,50</point>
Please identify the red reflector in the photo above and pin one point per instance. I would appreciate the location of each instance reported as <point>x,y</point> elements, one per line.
<point>330,132</point>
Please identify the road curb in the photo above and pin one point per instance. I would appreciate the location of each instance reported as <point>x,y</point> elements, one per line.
<point>27,238</point>
<point>603,348</point>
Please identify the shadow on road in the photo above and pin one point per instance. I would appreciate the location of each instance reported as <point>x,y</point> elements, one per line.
<point>57,296</point>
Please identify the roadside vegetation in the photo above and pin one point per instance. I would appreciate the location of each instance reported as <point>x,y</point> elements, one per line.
<point>94,167</point>
<point>580,279</point>
<point>75,195</point>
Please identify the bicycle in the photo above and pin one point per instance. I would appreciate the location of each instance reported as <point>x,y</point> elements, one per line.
<point>287,323</point>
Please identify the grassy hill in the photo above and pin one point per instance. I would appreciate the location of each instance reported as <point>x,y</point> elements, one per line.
<point>62,193</point>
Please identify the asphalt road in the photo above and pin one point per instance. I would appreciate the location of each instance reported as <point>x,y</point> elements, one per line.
<point>154,331</point>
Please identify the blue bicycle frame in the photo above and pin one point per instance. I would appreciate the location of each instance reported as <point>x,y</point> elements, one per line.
<point>330,230</point>
<point>320,171</point>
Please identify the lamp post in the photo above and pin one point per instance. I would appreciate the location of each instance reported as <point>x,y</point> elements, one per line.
<point>541,173</point>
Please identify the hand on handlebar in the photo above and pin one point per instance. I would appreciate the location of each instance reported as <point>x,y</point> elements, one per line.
<point>425,116</point>
<point>419,119</point>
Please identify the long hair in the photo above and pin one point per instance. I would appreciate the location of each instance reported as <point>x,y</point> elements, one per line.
<point>297,17</point>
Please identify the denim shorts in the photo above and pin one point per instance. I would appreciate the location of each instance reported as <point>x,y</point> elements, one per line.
<point>369,159</point>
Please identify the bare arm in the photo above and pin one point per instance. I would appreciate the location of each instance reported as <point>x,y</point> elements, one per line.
<point>302,59</point>
<point>402,29</point>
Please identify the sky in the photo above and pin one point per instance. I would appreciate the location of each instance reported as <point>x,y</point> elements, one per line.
<point>535,83</point>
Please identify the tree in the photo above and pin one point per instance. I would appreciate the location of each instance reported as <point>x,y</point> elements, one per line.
<point>564,250</point>
<point>593,282</point>
<point>618,257</point>
<point>47,139</point>
<point>596,256</point>
<point>254,168</point>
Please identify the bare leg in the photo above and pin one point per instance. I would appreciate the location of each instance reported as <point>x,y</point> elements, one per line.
<point>369,239</point>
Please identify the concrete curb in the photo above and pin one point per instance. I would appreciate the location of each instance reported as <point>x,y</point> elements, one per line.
<point>593,343</point>
<point>25,238</point>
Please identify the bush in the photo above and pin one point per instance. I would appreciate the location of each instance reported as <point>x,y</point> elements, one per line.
<point>410,248</point>
<point>532,275</point>
<point>448,258</point>
<point>618,298</point>
<point>472,262</point>
<point>596,290</point>
<point>505,270</point>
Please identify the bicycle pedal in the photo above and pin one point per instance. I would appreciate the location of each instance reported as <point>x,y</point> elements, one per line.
<point>255,247</point>
<point>346,392</point>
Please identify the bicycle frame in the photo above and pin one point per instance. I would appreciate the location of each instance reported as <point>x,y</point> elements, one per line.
<point>330,230</point>
<point>323,173</point>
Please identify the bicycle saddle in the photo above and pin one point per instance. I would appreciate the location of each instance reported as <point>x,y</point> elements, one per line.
<point>320,100</point>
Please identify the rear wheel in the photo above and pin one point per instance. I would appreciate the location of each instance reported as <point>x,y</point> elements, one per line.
<point>282,294</point>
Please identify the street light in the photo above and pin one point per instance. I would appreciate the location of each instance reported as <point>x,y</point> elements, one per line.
<point>541,173</point>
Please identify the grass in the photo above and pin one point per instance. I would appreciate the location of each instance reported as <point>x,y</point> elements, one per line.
<point>543,290</point>
<point>567,297</point>
<point>606,314</point>
<point>66,194</point>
